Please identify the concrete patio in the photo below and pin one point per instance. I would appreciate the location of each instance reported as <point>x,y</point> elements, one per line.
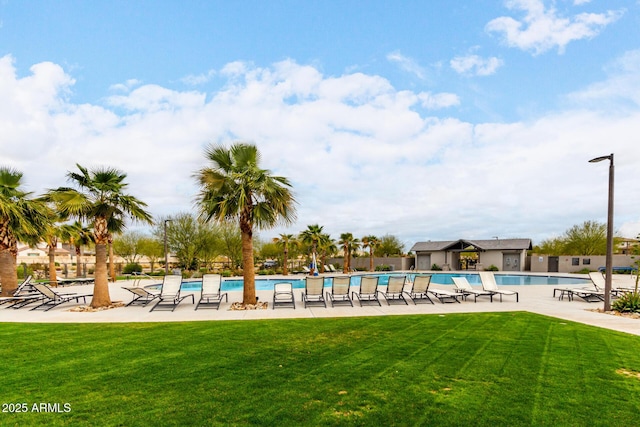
<point>533,298</point>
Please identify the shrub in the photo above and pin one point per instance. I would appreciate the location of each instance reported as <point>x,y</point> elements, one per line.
<point>383,267</point>
<point>436,267</point>
<point>226,273</point>
<point>491,268</point>
<point>628,303</point>
<point>131,268</point>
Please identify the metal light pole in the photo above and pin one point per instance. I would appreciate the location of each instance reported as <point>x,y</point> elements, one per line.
<point>609,258</point>
<point>166,253</point>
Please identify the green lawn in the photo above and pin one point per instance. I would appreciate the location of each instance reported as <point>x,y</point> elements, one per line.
<point>458,369</point>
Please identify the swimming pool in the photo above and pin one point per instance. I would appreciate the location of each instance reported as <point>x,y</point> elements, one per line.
<point>266,284</point>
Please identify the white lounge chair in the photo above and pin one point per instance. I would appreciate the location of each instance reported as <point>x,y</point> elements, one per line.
<point>395,290</point>
<point>420,289</point>
<point>170,297</point>
<point>210,295</point>
<point>23,295</point>
<point>283,295</point>
<point>53,299</point>
<point>340,288</point>
<point>368,291</point>
<point>141,296</point>
<point>314,291</point>
<point>445,295</point>
<point>465,288</point>
<point>489,284</point>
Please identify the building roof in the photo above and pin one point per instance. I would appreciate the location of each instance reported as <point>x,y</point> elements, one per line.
<point>473,245</point>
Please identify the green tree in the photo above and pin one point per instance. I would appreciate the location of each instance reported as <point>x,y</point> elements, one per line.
<point>210,244</point>
<point>77,236</point>
<point>184,238</point>
<point>553,246</point>
<point>153,249</point>
<point>349,245</point>
<point>327,247</point>
<point>588,238</point>
<point>286,241</point>
<point>235,188</point>
<point>101,199</point>
<point>128,246</point>
<point>231,241</point>
<point>389,245</point>
<point>21,218</point>
<point>371,242</point>
<point>52,234</point>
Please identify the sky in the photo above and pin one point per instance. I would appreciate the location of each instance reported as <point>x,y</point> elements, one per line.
<point>426,120</point>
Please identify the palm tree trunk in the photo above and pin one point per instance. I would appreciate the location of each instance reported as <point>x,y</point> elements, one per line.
<point>345,266</point>
<point>78,266</point>
<point>248,272</point>
<point>8,272</point>
<point>285,268</point>
<point>52,265</point>
<point>101,296</point>
<point>112,270</point>
<point>371,259</point>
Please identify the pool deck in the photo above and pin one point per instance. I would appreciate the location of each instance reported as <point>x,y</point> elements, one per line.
<point>533,298</point>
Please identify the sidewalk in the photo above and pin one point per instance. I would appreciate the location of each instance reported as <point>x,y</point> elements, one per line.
<point>533,298</point>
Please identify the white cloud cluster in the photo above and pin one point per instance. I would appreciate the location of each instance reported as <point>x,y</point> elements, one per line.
<point>407,64</point>
<point>475,65</point>
<point>363,156</point>
<point>543,28</point>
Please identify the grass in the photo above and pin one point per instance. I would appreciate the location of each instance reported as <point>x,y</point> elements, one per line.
<point>459,369</point>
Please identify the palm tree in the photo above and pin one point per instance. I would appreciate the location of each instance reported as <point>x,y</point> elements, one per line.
<point>311,236</point>
<point>77,236</point>
<point>348,244</point>
<point>115,225</point>
<point>234,187</point>
<point>286,241</point>
<point>371,242</point>
<point>51,236</point>
<point>327,247</point>
<point>100,198</point>
<point>21,217</point>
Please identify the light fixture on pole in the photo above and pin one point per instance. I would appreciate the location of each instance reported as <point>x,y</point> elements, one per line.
<point>166,253</point>
<point>609,258</point>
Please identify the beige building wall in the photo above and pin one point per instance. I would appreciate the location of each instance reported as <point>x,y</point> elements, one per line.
<point>574,263</point>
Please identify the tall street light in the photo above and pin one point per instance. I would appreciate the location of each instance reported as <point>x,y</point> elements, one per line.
<point>609,259</point>
<point>166,253</point>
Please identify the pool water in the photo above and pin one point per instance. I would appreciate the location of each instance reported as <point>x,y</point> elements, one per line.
<point>436,278</point>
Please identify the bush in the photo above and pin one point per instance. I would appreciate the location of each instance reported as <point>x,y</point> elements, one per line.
<point>227,273</point>
<point>383,267</point>
<point>133,267</point>
<point>436,267</point>
<point>628,303</point>
<point>491,268</point>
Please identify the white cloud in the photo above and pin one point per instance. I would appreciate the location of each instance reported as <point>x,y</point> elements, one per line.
<point>407,64</point>
<point>198,79</point>
<point>361,156</point>
<point>476,65</point>
<point>543,28</point>
<point>620,91</point>
<point>126,86</point>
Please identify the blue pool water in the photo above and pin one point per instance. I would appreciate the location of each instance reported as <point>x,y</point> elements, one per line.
<point>437,278</point>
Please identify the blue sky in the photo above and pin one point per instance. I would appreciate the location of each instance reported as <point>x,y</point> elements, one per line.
<point>426,120</point>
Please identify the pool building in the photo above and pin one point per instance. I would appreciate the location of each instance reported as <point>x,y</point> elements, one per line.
<point>506,254</point>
